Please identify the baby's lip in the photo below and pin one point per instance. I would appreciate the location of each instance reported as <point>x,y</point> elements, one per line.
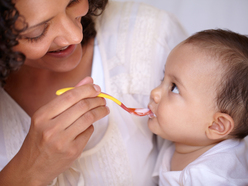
<point>152,115</point>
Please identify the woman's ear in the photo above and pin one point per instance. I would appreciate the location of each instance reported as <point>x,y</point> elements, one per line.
<point>222,125</point>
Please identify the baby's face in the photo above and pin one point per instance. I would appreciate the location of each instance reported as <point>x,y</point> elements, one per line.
<point>184,101</point>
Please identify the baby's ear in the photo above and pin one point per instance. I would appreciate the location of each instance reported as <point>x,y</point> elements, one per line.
<point>222,125</point>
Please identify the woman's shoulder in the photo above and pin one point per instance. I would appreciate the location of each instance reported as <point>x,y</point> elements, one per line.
<point>132,4</point>
<point>133,17</point>
<point>118,9</point>
<point>138,38</point>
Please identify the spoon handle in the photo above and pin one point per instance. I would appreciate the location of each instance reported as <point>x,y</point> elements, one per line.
<point>136,111</point>
<point>104,95</point>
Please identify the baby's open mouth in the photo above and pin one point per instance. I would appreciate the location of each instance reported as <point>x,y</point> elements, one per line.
<point>152,115</point>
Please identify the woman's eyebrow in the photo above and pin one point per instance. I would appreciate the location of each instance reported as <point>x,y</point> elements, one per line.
<point>41,23</point>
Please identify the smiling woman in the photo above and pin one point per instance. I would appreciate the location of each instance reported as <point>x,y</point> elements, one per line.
<point>34,32</point>
<point>48,45</point>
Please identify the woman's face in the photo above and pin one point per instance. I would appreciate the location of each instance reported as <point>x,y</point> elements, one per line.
<point>52,40</point>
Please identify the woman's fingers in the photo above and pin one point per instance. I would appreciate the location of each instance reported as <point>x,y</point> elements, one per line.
<point>83,122</point>
<point>86,80</point>
<point>82,139</point>
<point>67,99</point>
<point>76,147</point>
<point>69,116</point>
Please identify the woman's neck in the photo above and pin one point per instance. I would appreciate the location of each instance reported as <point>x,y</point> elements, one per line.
<point>185,154</point>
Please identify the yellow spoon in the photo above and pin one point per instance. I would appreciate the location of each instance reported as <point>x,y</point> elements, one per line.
<point>135,111</point>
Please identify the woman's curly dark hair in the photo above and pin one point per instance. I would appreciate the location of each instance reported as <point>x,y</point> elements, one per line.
<point>11,60</point>
<point>96,7</point>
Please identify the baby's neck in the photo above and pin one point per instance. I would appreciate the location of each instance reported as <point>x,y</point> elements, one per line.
<point>185,154</point>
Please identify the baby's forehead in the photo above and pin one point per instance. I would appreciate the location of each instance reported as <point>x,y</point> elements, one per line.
<point>211,54</point>
<point>191,61</point>
<point>188,53</point>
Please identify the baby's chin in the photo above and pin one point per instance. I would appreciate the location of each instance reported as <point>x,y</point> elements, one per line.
<point>153,125</point>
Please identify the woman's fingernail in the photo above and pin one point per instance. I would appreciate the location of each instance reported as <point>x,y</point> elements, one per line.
<point>97,88</point>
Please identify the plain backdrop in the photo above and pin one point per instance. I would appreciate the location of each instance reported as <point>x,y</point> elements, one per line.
<point>196,15</point>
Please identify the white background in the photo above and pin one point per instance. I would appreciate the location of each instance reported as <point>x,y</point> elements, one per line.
<point>196,15</point>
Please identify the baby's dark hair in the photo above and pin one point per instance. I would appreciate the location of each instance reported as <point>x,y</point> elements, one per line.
<point>231,49</point>
<point>11,60</point>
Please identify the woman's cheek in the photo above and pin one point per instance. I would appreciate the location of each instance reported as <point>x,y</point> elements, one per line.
<point>33,50</point>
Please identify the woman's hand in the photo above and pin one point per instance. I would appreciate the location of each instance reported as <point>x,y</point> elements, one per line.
<point>58,134</point>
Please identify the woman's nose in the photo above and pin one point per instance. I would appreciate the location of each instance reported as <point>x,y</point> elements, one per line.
<point>68,31</point>
<point>156,95</point>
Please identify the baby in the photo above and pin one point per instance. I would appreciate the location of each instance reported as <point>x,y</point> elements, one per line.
<point>202,106</point>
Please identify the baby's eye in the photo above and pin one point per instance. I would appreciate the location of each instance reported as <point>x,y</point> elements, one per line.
<point>174,88</point>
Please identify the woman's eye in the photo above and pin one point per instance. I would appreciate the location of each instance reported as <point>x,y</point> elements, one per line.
<point>36,33</point>
<point>174,88</point>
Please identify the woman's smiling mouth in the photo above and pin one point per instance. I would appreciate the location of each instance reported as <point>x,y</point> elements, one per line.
<point>62,52</point>
<point>61,49</point>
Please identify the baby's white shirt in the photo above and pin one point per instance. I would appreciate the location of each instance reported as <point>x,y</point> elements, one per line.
<point>226,164</point>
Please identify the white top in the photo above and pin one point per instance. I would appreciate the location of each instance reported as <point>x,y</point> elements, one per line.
<point>133,46</point>
<point>226,164</point>
<point>97,74</point>
<point>97,68</point>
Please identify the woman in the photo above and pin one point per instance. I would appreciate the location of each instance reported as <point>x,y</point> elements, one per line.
<point>43,136</point>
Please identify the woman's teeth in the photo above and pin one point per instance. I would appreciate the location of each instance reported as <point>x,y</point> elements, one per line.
<point>61,49</point>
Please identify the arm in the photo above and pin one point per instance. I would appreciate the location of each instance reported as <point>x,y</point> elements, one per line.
<point>58,134</point>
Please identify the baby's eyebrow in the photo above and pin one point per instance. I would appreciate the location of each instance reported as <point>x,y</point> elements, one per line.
<point>177,80</point>
<point>163,75</point>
